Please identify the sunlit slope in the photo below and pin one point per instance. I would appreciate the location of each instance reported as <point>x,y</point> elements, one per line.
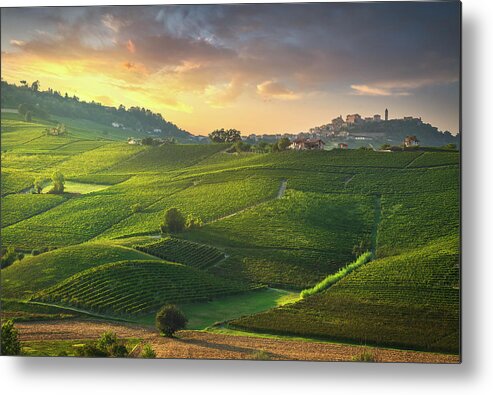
<point>135,287</point>
<point>34,273</point>
<point>409,300</point>
<point>292,241</point>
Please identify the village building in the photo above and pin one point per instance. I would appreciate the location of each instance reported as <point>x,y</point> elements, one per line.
<point>377,118</point>
<point>302,144</point>
<point>352,119</point>
<point>411,141</point>
<point>133,141</point>
<point>338,123</point>
<point>343,146</point>
<point>117,125</point>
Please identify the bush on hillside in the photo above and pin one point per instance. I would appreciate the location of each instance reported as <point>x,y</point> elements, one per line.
<point>10,344</point>
<point>147,352</point>
<point>170,319</point>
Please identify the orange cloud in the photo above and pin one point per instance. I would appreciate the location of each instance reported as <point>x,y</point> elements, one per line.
<point>130,46</point>
<point>276,90</point>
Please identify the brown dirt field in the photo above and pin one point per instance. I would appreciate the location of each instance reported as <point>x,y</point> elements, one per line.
<point>202,345</point>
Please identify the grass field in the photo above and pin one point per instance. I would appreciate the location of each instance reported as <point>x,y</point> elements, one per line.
<point>283,220</point>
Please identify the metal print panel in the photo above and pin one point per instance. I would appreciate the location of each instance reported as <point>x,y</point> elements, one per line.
<point>261,181</point>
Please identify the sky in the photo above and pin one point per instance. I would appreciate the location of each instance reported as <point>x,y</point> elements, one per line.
<point>259,68</point>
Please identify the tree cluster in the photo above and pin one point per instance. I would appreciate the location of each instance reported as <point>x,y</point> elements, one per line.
<point>175,221</point>
<point>225,136</point>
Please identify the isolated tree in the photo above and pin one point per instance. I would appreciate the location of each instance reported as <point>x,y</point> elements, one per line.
<point>58,182</point>
<point>174,221</point>
<point>10,344</point>
<point>28,117</point>
<point>283,144</point>
<point>169,320</point>
<point>37,185</point>
<point>35,86</point>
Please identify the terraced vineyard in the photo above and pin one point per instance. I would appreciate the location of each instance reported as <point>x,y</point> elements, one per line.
<point>182,251</point>
<point>410,300</point>
<point>135,287</point>
<point>285,220</point>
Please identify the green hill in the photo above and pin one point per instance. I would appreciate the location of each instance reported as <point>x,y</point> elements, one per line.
<point>135,287</point>
<point>34,273</point>
<point>409,300</point>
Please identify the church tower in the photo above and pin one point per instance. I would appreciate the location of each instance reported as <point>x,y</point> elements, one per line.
<point>386,114</point>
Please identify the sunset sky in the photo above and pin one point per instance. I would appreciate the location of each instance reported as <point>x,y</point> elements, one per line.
<point>257,68</point>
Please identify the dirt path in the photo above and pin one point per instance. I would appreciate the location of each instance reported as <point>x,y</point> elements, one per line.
<point>203,345</point>
<point>349,180</point>
<point>280,193</point>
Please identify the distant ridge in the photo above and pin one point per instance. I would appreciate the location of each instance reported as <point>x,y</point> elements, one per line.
<point>50,102</point>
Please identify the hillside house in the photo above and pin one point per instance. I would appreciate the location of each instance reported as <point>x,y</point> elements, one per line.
<point>301,144</point>
<point>133,141</point>
<point>343,146</point>
<point>411,141</point>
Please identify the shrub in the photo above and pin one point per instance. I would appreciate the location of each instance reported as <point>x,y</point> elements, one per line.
<point>118,350</point>
<point>169,320</point>
<point>365,356</point>
<point>107,340</point>
<point>58,182</point>
<point>28,117</point>
<point>89,350</point>
<point>107,346</point>
<point>35,252</point>
<point>147,352</point>
<point>10,344</point>
<point>174,221</point>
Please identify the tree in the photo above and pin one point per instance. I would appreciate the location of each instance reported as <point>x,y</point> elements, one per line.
<point>8,257</point>
<point>170,319</point>
<point>225,136</point>
<point>35,86</point>
<point>58,182</point>
<point>10,344</point>
<point>174,221</point>
<point>240,146</point>
<point>37,185</point>
<point>28,117</point>
<point>283,144</point>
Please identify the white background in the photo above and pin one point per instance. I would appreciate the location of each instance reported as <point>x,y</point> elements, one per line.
<point>91,376</point>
